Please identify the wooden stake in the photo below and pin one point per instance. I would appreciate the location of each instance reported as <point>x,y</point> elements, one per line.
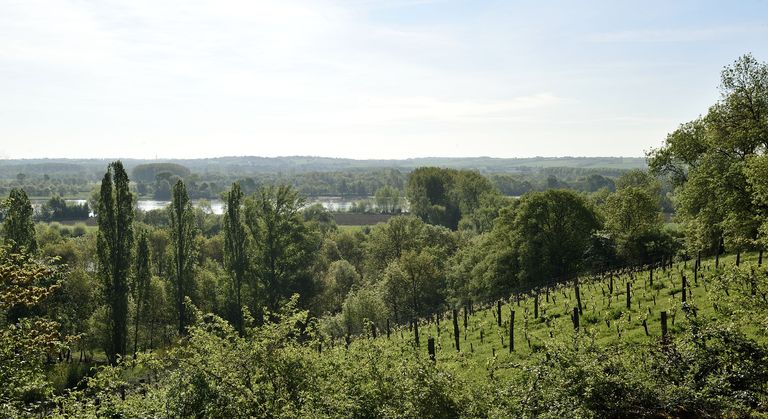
<point>456,329</point>
<point>512,331</point>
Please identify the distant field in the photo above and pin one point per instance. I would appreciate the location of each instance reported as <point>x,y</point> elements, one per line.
<point>89,222</point>
<point>358,219</point>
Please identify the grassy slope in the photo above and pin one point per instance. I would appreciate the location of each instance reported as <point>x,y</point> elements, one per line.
<point>555,317</point>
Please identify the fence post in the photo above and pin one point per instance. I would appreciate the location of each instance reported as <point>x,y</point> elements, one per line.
<point>664,326</point>
<point>416,332</point>
<point>387,328</point>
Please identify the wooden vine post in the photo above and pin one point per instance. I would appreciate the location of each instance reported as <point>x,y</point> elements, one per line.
<point>431,349</point>
<point>512,331</point>
<point>465,319</point>
<point>629,296</point>
<point>578,296</point>
<point>575,318</point>
<point>456,329</point>
<point>684,291</point>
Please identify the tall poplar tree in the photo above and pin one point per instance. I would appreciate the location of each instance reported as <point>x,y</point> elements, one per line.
<point>18,225</point>
<point>235,253</point>
<point>183,248</point>
<point>141,284</point>
<point>114,245</point>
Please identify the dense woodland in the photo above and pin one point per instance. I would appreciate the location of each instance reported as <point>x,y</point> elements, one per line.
<point>496,295</point>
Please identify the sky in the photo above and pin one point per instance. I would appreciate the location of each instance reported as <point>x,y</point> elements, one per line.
<point>361,78</point>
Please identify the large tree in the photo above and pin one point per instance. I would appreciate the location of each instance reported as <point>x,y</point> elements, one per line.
<point>547,234</point>
<point>707,161</point>
<point>115,245</point>
<point>415,284</point>
<point>444,196</point>
<point>183,232</point>
<point>633,219</point>
<point>284,244</point>
<point>389,241</point>
<point>18,226</point>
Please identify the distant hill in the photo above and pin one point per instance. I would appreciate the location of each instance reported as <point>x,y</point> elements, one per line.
<point>299,164</point>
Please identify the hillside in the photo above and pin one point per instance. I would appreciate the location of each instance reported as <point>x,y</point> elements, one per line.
<point>714,361</point>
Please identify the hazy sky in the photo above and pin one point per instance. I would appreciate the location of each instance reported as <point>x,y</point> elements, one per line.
<point>361,79</point>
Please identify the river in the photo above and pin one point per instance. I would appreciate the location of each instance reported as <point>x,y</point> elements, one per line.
<point>216,206</point>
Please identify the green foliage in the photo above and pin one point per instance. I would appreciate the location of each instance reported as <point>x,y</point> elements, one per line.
<point>26,335</point>
<point>544,236</point>
<point>274,371</point>
<point>443,196</point>
<point>321,218</point>
<point>18,227</point>
<point>57,209</point>
<point>708,159</point>
<point>388,199</point>
<point>634,221</point>
<point>363,308</point>
<point>338,281</point>
<point>389,241</point>
<point>284,245</point>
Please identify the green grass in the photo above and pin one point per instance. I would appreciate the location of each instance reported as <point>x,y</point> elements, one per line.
<point>351,228</point>
<point>603,313</point>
